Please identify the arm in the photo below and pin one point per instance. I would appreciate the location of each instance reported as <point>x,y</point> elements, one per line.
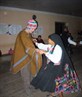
<point>27,43</point>
<point>71,41</point>
<point>55,57</point>
<point>43,46</point>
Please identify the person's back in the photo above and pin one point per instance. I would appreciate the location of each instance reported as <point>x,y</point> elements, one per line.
<point>64,37</point>
<point>68,41</point>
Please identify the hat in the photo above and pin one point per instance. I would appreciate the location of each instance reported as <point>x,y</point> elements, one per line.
<point>32,24</point>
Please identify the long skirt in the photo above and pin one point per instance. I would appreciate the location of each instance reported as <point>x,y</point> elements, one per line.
<point>56,79</point>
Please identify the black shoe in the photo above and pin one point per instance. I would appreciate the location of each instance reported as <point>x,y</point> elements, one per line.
<point>50,95</point>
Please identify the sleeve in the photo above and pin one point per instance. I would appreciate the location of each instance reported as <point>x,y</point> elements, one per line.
<point>55,57</point>
<point>43,46</point>
<point>80,42</point>
<point>27,43</point>
<point>71,41</point>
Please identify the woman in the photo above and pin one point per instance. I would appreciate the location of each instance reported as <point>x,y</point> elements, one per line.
<point>58,75</point>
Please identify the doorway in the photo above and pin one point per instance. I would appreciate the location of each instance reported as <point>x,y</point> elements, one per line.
<point>59,27</point>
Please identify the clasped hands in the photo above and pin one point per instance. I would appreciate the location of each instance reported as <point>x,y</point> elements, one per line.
<point>34,40</point>
<point>40,51</point>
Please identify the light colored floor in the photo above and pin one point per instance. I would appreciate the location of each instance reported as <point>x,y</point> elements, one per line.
<point>12,85</point>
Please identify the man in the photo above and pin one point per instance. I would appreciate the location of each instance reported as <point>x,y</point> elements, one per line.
<point>25,58</point>
<point>67,40</point>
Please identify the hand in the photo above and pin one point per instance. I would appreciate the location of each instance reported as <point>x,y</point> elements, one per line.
<point>41,52</point>
<point>34,40</point>
<point>37,50</point>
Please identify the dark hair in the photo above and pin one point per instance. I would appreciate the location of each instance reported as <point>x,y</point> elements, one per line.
<point>34,17</point>
<point>39,35</point>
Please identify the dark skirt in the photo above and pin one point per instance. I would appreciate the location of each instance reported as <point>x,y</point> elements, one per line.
<point>56,79</point>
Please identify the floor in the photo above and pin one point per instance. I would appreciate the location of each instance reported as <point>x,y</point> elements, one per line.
<point>11,85</point>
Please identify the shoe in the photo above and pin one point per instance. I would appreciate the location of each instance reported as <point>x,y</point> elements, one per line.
<point>50,95</point>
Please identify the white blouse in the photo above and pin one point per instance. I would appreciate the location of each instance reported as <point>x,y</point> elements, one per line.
<point>55,57</point>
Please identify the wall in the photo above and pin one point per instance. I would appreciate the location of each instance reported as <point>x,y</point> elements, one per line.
<point>6,42</point>
<point>81,23</point>
<point>46,20</point>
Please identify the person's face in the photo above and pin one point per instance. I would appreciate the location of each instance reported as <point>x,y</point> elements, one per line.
<point>50,41</point>
<point>65,30</point>
<point>39,38</point>
<point>31,30</point>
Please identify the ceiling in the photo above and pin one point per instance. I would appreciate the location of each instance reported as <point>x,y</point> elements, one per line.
<point>66,7</point>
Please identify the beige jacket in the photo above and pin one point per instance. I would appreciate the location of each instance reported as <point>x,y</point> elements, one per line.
<point>20,58</point>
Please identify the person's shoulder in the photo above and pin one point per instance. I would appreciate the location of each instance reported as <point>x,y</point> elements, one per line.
<point>23,31</point>
<point>58,46</point>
